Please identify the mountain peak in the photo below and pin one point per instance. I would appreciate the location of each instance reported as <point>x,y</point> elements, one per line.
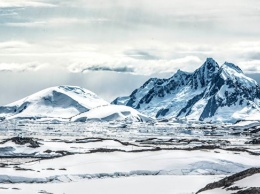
<point>210,59</point>
<point>180,72</point>
<point>209,93</point>
<point>75,90</point>
<point>180,75</point>
<point>204,74</point>
<point>231,66</point>
<point>210,63</point>
<point>58,101</point>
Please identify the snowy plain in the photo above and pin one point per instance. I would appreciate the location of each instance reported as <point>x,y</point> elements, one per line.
<point>122,156</point>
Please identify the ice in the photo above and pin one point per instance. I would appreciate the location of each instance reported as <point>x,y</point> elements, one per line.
<point>75,155</point>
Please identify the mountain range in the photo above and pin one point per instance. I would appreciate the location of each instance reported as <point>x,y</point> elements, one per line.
<point>61,101</point>
<point>211,93</point>
<point>69,103</point>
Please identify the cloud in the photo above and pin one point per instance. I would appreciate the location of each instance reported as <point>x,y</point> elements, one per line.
<point>11,45</point>
<point>8,12</point>
<point>15,67</point>
<point>254,55</point>
<point>123,69</point>
<point>136,59</point>
<point>252,66</point>
<point>56,22</point>
<point>24,3</point>
<point>140,54</point>
<point>138,67</point>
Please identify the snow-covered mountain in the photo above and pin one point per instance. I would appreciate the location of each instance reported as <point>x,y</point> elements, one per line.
<point>54,102</point>
<point>111,113</point>
<point>210,93</point>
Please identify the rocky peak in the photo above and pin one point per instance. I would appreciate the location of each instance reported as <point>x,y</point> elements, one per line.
<point>203,75</point>
<point>210,65</point>
<point>210,92</point>
<point>231,66</point>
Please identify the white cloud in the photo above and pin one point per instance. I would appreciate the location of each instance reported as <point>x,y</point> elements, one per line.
<point>137,67</point>
<point>252,66</point>
<point>142,58</point>
<point>57,22</point>
<point>13,45</point>
<point>9,12</point>
<point>24,3</point>
<point>20,67</point>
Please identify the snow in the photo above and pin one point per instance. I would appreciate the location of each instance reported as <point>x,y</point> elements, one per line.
<point>133,166</point>
<point>246,124</point>
<point>177,99</point>
<point>122,100</point>
<point>111,113</point>
<point>85,97</point>
<point>230,71</point>
<point>54,102</point>
<point>63,102</point>
<point>176,162</point>
<point>234,113</point>
<point>78,152</point>
<point>11,149</point>
<point>186,95</point>
<point>197,109</point>
<point>183,96</point>
<point>247,182</point>
<point>251,181</point>
<point>127,185</point>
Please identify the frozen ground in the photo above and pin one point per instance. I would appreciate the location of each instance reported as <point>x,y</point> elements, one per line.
<point>126,185</point>
<point>123,157</point>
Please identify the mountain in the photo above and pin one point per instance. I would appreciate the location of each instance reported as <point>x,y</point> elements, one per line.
<point>210,93</point>
<point>54,102</point>
<point>111,113</point>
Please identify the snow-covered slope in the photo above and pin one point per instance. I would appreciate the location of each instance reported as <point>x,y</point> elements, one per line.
<point>111,113</point>
<point>211,93</point>
<point>246,182</point>
<point>54,102</point>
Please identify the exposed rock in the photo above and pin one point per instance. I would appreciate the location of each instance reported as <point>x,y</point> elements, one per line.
<point>252,190</point>
<point>228,181</point>
<point>211,92</point>
<point>23,140</point>
<point>254,141</point>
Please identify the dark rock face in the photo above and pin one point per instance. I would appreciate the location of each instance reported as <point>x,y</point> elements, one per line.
<point>203,76</point>
<point>254,141</point>
<point>210,109</point>
<point>228,181</point>
<point>253,190</point>
<point>162,112</point>
<point>215,86</point>
<point>190,103</point>
<point>24,140</point>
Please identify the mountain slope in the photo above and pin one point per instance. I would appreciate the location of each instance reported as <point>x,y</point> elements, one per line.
<point>111,113</point>
<point>246,181</point>
<point>54,102</point>
<point>210,93</point>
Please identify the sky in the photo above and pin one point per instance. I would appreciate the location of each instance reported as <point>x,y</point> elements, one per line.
<point>113,46</point>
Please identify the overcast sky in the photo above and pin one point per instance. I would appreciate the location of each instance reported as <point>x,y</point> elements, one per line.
<point>113,46</point>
